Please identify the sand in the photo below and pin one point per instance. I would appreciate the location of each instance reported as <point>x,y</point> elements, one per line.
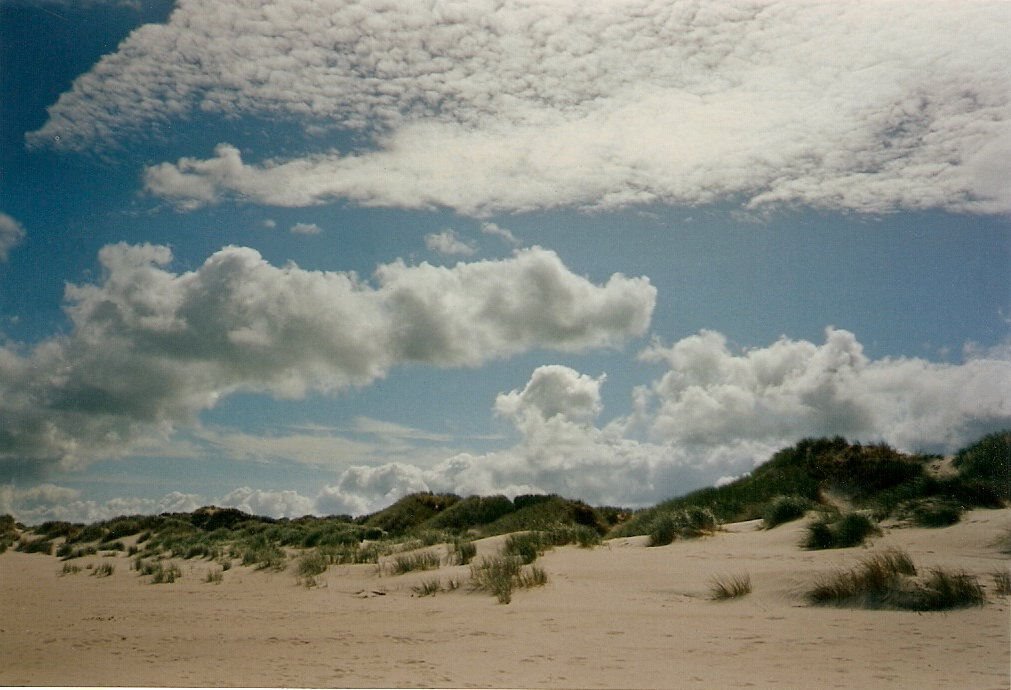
<point>619,615</point>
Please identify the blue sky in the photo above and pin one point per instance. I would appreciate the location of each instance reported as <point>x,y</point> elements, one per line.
<point>308,257</point>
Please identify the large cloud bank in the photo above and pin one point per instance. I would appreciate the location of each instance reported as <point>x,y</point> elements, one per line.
<point>713,414</point>
<point>522,104</point>
<point>149,349</point>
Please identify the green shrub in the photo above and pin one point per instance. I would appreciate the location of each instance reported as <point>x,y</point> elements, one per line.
<point>783,509</point>
<point>846,530</point>
<point>723,587</point>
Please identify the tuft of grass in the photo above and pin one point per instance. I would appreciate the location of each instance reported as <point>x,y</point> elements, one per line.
<point>70,569</point>
<point>312,563</point>
<point>887,580</point>
<point>502,574</point>
<point>160,573</point>
<point>405,563</point>
<point>1002,582</point>
<point>463,552</point>
<point>846,530</point>
<point>104,570</point>
<point>434,586</point>
<point>526,547</point>
<point>931,512</point>
<point>214,577</point>
<point>722,587</point>
<point>686,523</point>
<point>783,509</point>
<point>35,546</point>
<point>263,555</point>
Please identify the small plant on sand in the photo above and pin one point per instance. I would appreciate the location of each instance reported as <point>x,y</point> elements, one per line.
<point>1002,582</point>
<point>214,577</point>
<point>723,587</point>
<point>527,547</point>
<point>405,563</point>
<point>36,546</point>
<point>435,585</point>
<point>104,570</point>
<point>163,573</point>
<point>501,574</point>
<point>463,552</point>
<point>686,523</point>
<point>784,509</point>
<point>887,580</point>
<point>70,569</point>
<point>849,529</point>
<point>312,563</point>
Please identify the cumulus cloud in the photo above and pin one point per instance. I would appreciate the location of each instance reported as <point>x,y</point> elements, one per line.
<point>449,243</point>
<point>149,349</point>
<point>11,235</point>
<point>305,229</point>
<point>485,107</point>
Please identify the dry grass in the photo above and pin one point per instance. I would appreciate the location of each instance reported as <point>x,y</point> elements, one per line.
<point>722,587</point>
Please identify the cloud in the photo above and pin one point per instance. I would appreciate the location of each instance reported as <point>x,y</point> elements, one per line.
<point>11,235</point>
<point>792,389</point>
<point>498,231</point>
<point>305,229</point>
<point>150,349</point>
<point>447,242</point>
<point>519,105</point>
<point>712,416</point>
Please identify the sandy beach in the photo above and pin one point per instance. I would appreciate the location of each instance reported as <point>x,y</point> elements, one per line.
<point>618,615</point>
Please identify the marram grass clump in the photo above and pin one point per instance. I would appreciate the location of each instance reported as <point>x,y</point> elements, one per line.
<point>502,574</point>
<point>889,580</point>
<point>843,531</point>
<point>687,523</point>
<point>783,509</point>
<point>723,587</point>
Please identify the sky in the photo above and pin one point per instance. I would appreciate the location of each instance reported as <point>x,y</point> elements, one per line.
<point>306,257</point>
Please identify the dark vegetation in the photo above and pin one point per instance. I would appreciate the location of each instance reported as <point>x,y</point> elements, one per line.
<point>874,479</point>
<point>889,580</point>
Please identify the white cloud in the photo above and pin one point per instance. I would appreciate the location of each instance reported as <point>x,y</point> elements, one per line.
<point>793,389</point>
<point>11,235</point>
<point>305,229</point>
<point>150,349</point>
<point>497,231</point>
<point>485,107</point>
<point>272,503</point>
<point>447,242</point>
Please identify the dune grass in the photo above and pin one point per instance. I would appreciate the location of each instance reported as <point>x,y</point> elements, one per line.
<point>888,580</point>
<point>70,569</point>
<point>408,562</point>
<point>104,570</point>
<point>839,531</point>
<point>783,509</point>
<point>463,552</point>
<point>722,587</point>
<point>214,577</point>
<point>502,574</point>
<point>1001,581</point>
<point>434,586</point>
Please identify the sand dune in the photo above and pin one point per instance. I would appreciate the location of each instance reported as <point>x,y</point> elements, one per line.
<point>619,615</point>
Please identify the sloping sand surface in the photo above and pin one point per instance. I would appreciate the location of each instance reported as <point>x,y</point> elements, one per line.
<point>620,615</point>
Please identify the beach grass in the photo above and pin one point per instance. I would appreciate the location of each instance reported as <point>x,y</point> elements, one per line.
<point>888,580</point>
<point>723,587</point>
